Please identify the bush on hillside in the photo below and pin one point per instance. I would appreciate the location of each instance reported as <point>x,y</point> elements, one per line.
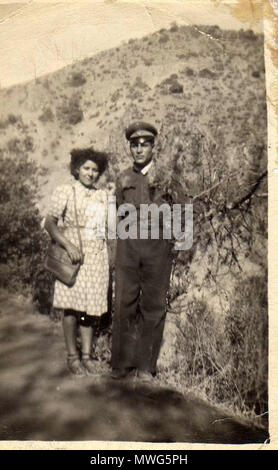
<point>174,27</point>
<point>47,115</point>
<point>77,79</point>
<point>163,38</point>
<point>225,358</point>
<point>115,96</point>
<point>247,34</point>
<point>17,145</point>
<point>206,73</point>
<point>46,83</point>
<point>23,243</point>
<point>170,85</point>
<point>139,83</point>
<point>213,31</point>
<point>75,115</point>
<point>71,112</point>
<point>11,120</point>
<point>189,72</point>
<point>246,327</point>
<point>256,74</point>
<point>176,87</point>
<point>22,240</point>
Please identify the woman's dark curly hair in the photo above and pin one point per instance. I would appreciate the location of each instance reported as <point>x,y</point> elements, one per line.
<point>80,156</point>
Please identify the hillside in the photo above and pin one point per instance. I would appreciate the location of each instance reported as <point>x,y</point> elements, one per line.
<point>180,76</point>
<point>204,89</point>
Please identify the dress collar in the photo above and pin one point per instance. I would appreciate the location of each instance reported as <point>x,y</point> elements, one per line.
<point>80,187</point>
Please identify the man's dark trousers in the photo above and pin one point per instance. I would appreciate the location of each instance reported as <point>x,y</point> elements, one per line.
<point>143,269</point>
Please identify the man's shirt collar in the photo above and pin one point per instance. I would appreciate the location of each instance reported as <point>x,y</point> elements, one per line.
<point>145,169</point>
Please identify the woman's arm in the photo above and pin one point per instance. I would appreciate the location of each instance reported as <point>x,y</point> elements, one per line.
<point>56,234</point>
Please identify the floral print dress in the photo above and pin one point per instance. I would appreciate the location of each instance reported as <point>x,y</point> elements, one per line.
<point>90,291</point>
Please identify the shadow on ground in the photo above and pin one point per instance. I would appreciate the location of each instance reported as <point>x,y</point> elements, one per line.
<point>39,400</point>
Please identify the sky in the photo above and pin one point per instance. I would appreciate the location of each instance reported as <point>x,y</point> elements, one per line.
<point>39,36</point>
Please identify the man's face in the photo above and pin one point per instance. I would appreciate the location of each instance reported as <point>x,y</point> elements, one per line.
<point>141,150</point>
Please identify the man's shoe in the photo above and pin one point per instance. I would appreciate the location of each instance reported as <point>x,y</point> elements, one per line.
<point>118,374</point>
<point>144,376</point>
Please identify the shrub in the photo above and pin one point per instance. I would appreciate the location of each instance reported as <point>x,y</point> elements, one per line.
<point>200,352</point>
<point>77,79</point>
<point>71,112</point>
<point>189,72</point>
<point>14,145</point>
<point>163,38</point>
<point>115,96</point>
<point>171,85</point>
<point>174,27</point>
<point>47,115</point>
<point>134,94</point>
<point>247,34</point>
<point>75,115</point>
<point>247,331</point>
<point>214,31</point>
<point>176,87</point>
<point>46,83</point>
<point>226,356</point>
<point>3,124</point>
<point>140,84</point>
<point>181,56</point>
<point>29,144</point>
<point>206,73</point>
<point>256,74</point>
<point>171,79</point>
<point>12,119</point>
<point>22,241</point>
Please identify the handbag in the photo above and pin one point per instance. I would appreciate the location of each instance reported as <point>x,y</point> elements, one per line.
<point>57,260</point>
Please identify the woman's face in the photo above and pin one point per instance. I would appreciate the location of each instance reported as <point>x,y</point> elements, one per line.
<point>88,173</point>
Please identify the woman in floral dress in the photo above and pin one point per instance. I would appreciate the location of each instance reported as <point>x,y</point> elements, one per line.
<point>87,298</point>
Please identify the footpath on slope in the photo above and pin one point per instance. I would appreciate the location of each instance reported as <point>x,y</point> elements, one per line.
<point>41,401</point>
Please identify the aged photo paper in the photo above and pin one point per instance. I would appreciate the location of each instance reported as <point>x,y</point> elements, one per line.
<point>205,74</point>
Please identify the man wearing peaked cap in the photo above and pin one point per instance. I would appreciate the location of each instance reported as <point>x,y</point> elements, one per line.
<point>140,129</point>
<point>143,267</point>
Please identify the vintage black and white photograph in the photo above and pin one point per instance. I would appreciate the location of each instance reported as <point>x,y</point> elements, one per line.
<point>133,223</point>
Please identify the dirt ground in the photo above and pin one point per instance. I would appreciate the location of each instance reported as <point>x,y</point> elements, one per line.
<point>40,400</point>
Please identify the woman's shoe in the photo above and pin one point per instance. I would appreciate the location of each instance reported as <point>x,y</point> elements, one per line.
<point>88,364</point>
<point>74,365</point>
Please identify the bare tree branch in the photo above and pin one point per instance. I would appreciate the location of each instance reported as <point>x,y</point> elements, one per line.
<point>247,196</point>
<point>231,175</point>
